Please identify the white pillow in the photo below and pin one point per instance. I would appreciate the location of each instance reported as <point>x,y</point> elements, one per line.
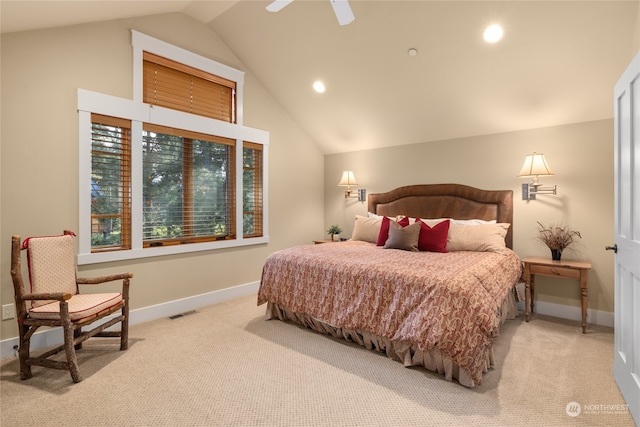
<point>433,221</point>
<point>473,221</point>
<point>477,238</point>
<point>366,229</point>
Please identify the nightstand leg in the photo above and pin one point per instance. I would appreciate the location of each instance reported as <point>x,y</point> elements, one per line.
<point>532,281</point>
<point>583,292</point>
<point>528,277</point>
<point>527,297</point>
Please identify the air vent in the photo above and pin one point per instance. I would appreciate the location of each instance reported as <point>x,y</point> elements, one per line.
<point>186,313</point>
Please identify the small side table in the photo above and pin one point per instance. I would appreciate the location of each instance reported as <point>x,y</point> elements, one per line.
<point>578,270</point>
<point>317,242</point>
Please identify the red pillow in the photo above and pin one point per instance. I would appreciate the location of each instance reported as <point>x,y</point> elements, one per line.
<point>433,239</point>
<point>384,229</point>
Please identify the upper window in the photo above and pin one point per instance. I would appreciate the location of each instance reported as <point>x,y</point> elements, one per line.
<point>177,86</point>
<point>173,170</point>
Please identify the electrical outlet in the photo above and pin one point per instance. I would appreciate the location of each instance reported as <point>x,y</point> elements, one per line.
<point>8,311</point>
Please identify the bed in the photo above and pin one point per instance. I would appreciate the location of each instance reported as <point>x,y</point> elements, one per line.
<point>437,302</point>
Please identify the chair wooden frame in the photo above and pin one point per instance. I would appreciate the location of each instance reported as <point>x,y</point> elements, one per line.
<point>73,334</point>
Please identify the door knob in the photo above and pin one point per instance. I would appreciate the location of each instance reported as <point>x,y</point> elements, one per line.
<point>613,248</point>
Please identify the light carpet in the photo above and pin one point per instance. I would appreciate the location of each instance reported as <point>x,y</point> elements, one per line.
<point>225,365</point>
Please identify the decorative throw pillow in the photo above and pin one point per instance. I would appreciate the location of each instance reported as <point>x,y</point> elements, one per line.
<point>405,238</point>
<point>403,218</point>
<point>366,229</point>
<point>433,238</point>
<point>384,229</point>
<point>478,238</point>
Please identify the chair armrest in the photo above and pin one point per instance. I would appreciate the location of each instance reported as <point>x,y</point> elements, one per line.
<point>103,279</point>
<point>58,296</point>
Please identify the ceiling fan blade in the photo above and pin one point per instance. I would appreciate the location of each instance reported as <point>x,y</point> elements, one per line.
<point>343,11</point>
<point>278,5</point>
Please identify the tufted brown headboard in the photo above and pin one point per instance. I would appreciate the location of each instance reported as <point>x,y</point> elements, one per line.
<point>446,201</point>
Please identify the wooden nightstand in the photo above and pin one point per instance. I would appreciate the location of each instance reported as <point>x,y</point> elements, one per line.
<point>578,270</point>
<point>317,242</point>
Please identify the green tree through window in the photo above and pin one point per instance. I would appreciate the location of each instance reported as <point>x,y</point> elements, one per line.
<point>188,188</point>
<point>110,183</point>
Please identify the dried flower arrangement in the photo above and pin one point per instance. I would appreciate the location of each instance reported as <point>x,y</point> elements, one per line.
<point>557,238</point>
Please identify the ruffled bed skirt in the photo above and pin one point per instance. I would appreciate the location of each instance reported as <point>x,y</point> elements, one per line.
<point>400,351</point>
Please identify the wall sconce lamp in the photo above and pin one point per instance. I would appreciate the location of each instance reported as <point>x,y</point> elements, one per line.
<point>534,166</point>
<point>348,179</point>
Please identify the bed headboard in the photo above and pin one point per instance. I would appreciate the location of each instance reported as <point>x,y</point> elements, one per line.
<point>446,201</point>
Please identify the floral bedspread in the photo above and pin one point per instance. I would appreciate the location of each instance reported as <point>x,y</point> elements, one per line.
<point>449,300</point>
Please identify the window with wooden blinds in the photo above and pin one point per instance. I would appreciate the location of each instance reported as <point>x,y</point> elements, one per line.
<point>170,84</point>
<point>110,183</point>
<point>172,173</point>
<point>252,189</point>
<point>188,186</point>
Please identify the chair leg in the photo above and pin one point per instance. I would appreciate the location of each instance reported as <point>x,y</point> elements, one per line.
<point>124,328</point>
<point>72,361</point>
<point>76,334</point>
<point>23,353</point>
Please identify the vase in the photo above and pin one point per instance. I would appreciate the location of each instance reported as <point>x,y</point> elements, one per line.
<point>556,254</point>
<point>335,237</point>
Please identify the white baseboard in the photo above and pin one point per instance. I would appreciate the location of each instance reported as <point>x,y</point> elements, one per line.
<point>52,337</point>
<point>603,318</point>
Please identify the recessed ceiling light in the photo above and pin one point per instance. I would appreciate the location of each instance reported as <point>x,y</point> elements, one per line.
<point>412,52</point>
<point>318,86</point>
<point>493,33</point>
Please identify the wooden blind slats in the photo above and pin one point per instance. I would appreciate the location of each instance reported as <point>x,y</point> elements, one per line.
<point>179,87</point>
<point>110,183</point>
<point>157,59</point>
<point>252,187</point>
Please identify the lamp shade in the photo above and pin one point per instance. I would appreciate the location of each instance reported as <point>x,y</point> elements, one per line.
<point>535,165</point>
<point>348,179</point>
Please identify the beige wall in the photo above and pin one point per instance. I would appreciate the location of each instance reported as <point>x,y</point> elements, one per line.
<point>41,71</point>
<point>581,156</point>
<point>636,39</point>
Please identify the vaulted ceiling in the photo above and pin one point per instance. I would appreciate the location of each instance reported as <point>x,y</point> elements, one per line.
<point>557,63</point>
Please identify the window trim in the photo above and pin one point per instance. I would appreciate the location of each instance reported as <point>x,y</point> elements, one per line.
<point>138,112</point>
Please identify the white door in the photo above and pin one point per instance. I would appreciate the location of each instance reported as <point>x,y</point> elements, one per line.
<point>626,364</point>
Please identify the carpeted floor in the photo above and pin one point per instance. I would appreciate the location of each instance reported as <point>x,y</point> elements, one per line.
<point>224,365</point>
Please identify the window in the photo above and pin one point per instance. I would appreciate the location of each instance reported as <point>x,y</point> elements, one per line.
<point>252,189</point>
<point>177,86</point>
<point>173,170</point>
<point>110,183</point>
<point>188,187</point>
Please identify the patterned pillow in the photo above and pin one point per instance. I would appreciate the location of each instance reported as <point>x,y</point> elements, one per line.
<point>405,238</point>
<point>477,238</point>
<point>52,265</point>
